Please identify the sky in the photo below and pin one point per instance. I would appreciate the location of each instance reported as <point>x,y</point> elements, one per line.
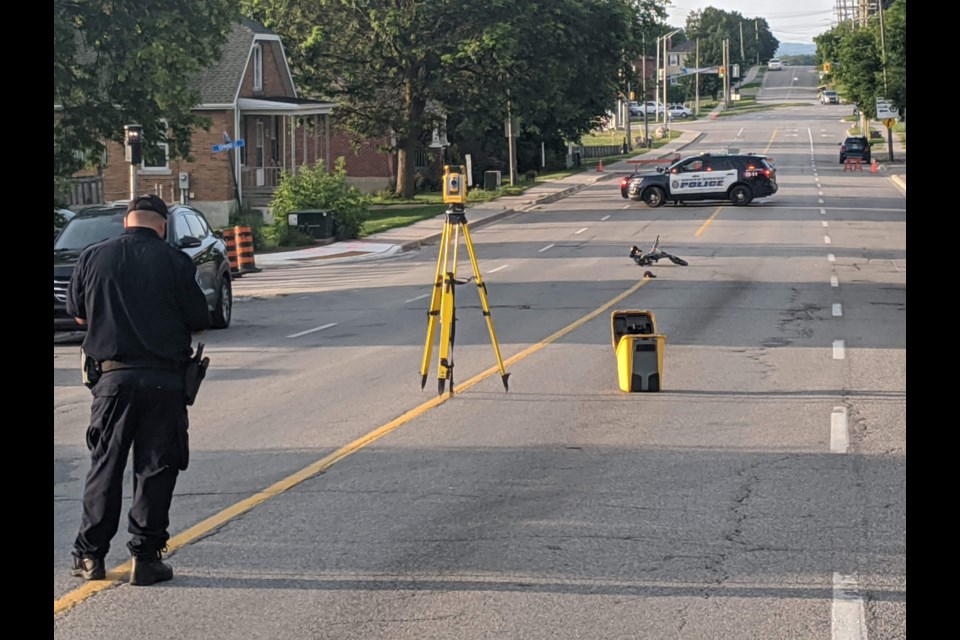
<point>789,20</point>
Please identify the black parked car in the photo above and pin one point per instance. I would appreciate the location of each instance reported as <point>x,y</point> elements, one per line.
<point>855,147</point>
<point>187,230</point>
<point>738,178</point>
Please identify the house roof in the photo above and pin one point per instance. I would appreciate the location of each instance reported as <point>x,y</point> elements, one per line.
<point>284,105</point>
<point>220,83</point>
<point>684,47</point>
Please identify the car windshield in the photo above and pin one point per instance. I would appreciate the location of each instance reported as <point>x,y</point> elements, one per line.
<point>83,231</point>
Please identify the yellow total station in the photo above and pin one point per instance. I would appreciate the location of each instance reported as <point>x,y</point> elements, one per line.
<point>454,184</point>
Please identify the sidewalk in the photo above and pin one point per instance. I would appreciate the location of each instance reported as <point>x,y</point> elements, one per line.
<point>426,232</point>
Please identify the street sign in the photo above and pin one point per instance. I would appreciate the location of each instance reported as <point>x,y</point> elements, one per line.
<point>889,122</point>
<point>236,144</point>
<point>885,109</point>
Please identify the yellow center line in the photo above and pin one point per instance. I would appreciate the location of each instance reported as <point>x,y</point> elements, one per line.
<point>770,144</point>
<point>204,527</point>
<point>706,224</point>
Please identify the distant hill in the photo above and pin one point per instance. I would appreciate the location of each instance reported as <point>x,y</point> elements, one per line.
<point>796,49</point>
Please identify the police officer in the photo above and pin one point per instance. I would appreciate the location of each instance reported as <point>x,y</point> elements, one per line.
<point>140,301</point>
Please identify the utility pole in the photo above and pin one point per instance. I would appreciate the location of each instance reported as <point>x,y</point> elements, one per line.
<point>696,109</point>
<point>656,92</point>
<point>646,123</point>
<point>756,31</point>
<point>743,56</point>
<point>726,72</point>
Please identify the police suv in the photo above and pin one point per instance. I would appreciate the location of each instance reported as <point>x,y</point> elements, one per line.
<point>739,178</point>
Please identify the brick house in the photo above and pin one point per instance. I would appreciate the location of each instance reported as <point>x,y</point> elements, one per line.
<point>248,95</point>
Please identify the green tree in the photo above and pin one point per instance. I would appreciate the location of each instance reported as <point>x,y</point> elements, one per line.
<point>397,69</point>
<point>712,26</point>
<point>129,62</point>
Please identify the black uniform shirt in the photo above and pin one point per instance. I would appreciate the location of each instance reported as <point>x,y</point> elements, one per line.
<point>140,298</point>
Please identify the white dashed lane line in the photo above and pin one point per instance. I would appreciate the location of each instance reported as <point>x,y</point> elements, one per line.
<point>847,614</point>
<point>549,246</point>
<point>503,266</point>
<point>837,310</point>
<point>605,217</point>
<point>581,230</point>
<point>839,351</point>
<point>321,328</point>
<point>831,257</point>
<point>834,282</point>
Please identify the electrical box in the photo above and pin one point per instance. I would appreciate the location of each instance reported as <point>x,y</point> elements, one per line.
<point>184,180</point>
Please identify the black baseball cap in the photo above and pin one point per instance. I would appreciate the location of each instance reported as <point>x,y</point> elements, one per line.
<point>149,202</point>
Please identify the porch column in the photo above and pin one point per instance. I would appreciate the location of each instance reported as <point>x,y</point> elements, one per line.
<point>326,135</point>
<point>293,144</point>
<point>304,142</point>
<point>316,140</point>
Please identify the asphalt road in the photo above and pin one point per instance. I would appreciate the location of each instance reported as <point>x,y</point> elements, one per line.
<point>761,494</point>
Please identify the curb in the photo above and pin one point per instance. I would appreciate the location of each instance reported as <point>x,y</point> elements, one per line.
<point>499,215</point>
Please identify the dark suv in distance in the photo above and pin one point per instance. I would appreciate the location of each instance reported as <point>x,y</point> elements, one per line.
<point>739,178</point>
<point>187,230</point>
<point>855,147</point>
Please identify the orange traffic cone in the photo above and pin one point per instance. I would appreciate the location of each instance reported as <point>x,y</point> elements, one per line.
<point>600,166</point>
<point>873,165</point>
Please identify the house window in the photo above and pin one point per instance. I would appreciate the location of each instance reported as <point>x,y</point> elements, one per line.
<point>257,68</point>
<point>156,157</point>
<point>673,60</point>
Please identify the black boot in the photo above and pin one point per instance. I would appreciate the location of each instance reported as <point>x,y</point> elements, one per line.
<point>148,569</point>
<point>88,568</point>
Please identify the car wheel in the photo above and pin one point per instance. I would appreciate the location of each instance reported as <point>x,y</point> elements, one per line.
<point>654,196</point>
<point>740,195</point>
<point>223,312</point>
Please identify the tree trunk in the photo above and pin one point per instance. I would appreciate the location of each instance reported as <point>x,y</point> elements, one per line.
<point>414,106</point>
<point>406,168</point>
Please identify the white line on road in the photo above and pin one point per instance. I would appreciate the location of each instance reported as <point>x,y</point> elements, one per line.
<point>819,193</point>
<point>549,246</point>
<point>581,230</point>
<point>605,217</point>
<point>823,212</point>
<point>834,281</point>
<point>503,266</point>
<point>824,223</point>
<point>303,333</point>
<point>820,201</point>
<point>739,133</point>
<point>810,133</point>
<point>838,350</point>
<point>831,257</point>
<point>417,298</point>
<point>626,206</point>
<point>826,239</point>
<point>897,268</point>
<point>847,618</point>
<point>837,310</point>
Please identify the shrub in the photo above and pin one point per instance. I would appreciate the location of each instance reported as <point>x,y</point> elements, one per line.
<point>316,188</point>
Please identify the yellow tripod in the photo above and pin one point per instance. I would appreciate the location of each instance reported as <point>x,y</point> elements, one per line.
<point>442,305</point>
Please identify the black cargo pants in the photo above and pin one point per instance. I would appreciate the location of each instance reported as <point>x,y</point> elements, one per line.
<point>142,409</point>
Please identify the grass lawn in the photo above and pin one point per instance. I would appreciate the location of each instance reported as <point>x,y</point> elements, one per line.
<point>750,105</point>
<point>399,216</point>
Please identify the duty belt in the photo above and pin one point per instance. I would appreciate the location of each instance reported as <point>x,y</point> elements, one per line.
<point>114,365</point>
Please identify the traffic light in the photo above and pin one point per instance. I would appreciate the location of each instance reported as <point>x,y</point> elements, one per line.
<point>723,71</point>
<point>826,67</point>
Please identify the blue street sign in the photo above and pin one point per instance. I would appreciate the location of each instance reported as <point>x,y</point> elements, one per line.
<point>236,144</point>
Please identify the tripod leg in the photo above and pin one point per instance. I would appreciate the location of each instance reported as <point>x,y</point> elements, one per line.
<point>448,320</point>
<point>482,289</point>
<point>434,311</point>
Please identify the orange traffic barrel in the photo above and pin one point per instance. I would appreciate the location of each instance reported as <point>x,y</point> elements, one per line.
<point>245,250</point>
<point>230,238</point>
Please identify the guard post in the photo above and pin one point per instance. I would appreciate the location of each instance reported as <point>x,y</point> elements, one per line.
<point>639,350</point>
